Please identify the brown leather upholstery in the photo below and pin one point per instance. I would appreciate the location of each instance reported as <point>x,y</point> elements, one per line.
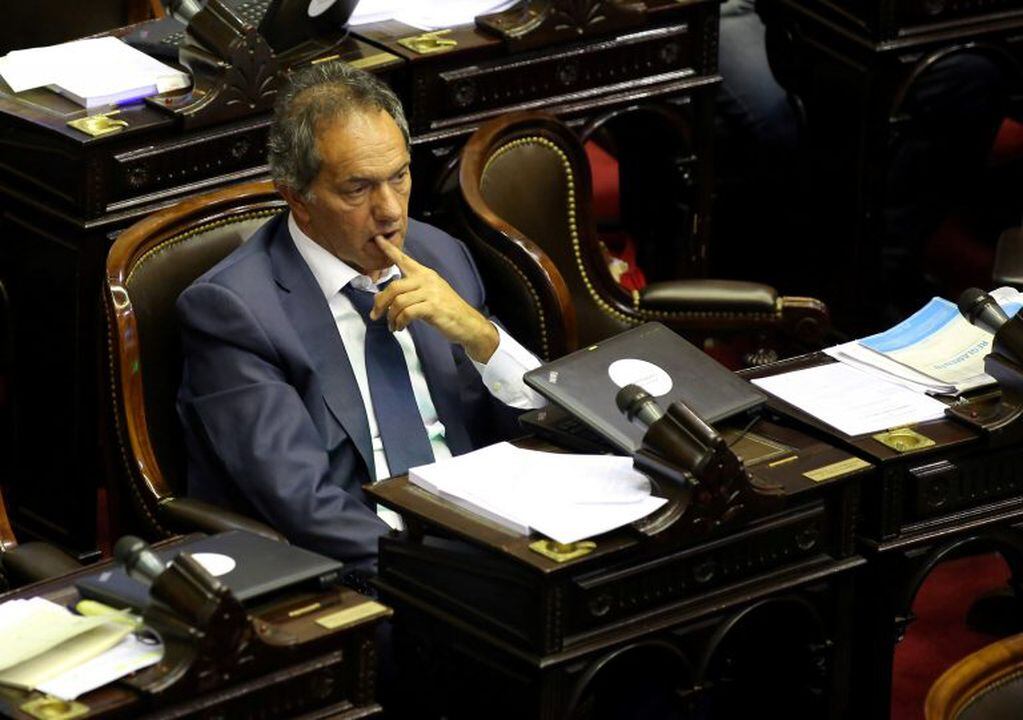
<point>147,268</point>
<point>526,207</point>
<point>986,685</point>
<point>29,562</point>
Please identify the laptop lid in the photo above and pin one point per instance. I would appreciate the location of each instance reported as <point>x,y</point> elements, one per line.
<point>251,565</point>
<point>660,361</point>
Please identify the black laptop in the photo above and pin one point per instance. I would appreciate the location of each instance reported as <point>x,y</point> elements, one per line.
<point>584,384</point>
<point>253,566</point>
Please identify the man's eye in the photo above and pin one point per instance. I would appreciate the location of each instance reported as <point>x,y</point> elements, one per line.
<point>400,177</point>
<point>356,191</point>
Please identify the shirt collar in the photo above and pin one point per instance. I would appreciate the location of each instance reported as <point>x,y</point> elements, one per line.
<point>331,272</point>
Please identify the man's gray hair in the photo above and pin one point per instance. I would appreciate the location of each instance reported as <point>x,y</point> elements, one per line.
<point>317,95</point>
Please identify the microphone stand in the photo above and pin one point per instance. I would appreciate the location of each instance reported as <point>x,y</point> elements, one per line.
<point>1000,418</point>
<point>707,485</point>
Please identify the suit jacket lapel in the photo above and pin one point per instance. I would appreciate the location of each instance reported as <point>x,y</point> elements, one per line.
<point>314,322</point>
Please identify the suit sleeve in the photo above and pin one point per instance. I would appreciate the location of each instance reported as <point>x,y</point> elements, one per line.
<point>248,418</point>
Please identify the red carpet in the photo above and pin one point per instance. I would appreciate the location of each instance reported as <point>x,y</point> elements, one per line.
<point>938,637</point>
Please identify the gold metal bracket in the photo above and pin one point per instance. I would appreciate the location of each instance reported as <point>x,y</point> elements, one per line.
<point>51,708</point>
<point>430,42</point>
<point>562,552</point>
<point>903,439</point>
<point>100,124</point>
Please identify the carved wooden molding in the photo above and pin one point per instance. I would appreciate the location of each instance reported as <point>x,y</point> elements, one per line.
<point>532,23</point>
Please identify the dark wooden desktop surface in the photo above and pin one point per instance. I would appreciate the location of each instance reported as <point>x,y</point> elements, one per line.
<point>63,195</point>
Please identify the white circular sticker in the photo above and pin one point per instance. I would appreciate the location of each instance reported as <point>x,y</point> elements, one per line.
<point>216,564</point>
<point>318,7</point>
<point>648,376</point>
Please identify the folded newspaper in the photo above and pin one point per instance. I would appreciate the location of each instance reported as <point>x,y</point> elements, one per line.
<point>934,350</point>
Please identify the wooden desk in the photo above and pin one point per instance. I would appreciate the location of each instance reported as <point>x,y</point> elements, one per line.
<point>851,65</point>
<point>753,618</point>
<point>292,666</point>
<point>921,507</point>
<point>64,194</point>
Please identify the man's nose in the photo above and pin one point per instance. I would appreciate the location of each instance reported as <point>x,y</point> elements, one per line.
<point>387,205</point>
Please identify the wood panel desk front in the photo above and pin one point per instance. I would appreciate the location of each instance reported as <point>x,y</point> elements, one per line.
<point>63,195</point>
<point>488,627</point>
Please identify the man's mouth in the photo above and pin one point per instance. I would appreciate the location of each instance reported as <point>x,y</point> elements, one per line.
<point>391,237</point>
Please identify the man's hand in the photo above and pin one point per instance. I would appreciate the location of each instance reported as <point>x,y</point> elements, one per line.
<point>422,294</point>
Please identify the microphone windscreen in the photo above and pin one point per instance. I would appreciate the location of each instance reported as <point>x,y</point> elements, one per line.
<point>969,301</point>
<point>127,548</point>
<point>629,397</point>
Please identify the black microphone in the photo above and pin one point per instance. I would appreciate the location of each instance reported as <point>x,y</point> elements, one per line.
<point>139,561</point>
<point>637,404</point>
<point>182,10</point>
<point>981,310</point>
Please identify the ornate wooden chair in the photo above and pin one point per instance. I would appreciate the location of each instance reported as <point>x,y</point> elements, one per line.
<point>985,685</point>
<point>147,268</point>
<point>526,209</point>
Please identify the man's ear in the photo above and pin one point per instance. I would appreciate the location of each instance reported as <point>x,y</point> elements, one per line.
<point>299,207</point>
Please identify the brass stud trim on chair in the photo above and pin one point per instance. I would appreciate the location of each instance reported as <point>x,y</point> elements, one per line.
<point>642,313</point>
<point>573,226</point>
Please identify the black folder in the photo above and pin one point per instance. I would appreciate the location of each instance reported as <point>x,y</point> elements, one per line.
<point>581,382</point>
<point>262,567</point>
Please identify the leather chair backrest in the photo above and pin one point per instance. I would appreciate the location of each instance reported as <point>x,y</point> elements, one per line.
<point>153,286</point>
<point>540,183</point>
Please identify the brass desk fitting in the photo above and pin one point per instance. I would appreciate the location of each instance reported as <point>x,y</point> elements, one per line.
<point>51,708</point>
<point>431,42</point>
<point>903,439</point>
<point>562,552</point>
<point>100,124</point>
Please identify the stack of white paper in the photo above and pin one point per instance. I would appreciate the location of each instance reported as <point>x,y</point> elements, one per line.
<point>93,72</point>
<point>935,350</point>
<point>427,15</point>
<point>566,497</point>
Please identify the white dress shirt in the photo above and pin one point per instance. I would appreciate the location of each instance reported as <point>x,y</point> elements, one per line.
<point>501,374</point>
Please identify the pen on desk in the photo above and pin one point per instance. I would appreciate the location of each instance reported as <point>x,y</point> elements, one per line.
<point>92,608</point>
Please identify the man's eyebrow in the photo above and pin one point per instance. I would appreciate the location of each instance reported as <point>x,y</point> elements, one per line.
<point>358,179</point>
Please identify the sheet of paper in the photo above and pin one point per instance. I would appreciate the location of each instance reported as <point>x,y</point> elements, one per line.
<point>565,496</point>
<point>434,15</point>
<point>850,400</point>
<point>41,639</point>
<point>865,359</point>
<point>131,654</point>
<point>33,626</point>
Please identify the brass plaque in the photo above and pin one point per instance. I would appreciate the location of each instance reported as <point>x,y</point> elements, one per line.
<point>371,61</point>
<point>353,615</point>
<point>97,125</point>
<point>51,708</point>
<point>428,43</point>
<point>561,552</point>
<point>903,439</point>
<point>835,470</point>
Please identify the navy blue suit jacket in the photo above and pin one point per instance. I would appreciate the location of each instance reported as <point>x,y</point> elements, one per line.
<point>273,419</point>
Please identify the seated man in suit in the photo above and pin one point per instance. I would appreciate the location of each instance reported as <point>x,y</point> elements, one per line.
<point>343,342</point>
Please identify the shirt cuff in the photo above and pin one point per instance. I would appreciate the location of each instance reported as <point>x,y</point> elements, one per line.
<point>502,373</point>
